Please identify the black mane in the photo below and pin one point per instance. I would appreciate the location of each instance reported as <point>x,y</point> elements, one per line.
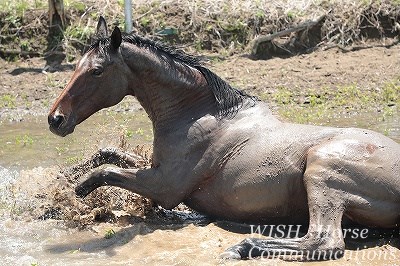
<point>228,99</point>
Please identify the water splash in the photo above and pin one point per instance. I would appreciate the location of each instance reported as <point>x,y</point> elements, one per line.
<point>7,179</point>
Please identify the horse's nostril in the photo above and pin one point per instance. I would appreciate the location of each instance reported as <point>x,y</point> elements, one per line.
<point>55,120</point>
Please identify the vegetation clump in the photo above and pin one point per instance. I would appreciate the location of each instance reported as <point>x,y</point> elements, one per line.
<point>225,27</point>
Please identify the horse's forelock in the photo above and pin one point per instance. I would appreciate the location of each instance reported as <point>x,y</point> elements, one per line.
<point>100,45</point>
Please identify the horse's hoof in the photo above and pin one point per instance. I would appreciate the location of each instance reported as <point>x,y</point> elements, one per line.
<point>230,255</point>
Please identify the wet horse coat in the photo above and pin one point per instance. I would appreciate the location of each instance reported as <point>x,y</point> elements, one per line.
<point>224,154</point>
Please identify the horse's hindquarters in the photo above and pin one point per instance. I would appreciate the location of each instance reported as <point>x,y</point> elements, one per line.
<point>364,169</point>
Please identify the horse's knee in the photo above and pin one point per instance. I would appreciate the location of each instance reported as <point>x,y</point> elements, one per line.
<point>116,157</point>
<point>95,180</point>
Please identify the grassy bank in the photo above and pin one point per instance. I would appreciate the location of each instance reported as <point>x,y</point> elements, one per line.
<point>312,105</point>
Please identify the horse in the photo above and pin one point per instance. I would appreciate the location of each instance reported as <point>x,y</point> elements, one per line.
<point>224,154</point>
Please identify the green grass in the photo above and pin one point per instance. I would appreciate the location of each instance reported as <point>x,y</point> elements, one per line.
<point>305,106</point>
<point>74,159</point>
<point>78,5</point>
<point>17,7</point>
<point>78,32</point>
<point>24,140</point>
<point>110,233</point>
<point>8,101</point>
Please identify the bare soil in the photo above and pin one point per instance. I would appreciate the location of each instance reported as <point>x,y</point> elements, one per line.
<point>369,68</point>
<point>26,88</point>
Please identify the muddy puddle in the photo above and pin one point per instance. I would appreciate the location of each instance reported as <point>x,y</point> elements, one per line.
<point>31,157</point>
<point>29,143</point>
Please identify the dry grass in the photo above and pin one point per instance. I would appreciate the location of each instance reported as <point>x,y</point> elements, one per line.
<point>220,26</point>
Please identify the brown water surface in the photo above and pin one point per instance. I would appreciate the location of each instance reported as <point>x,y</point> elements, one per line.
<point>30,156</point>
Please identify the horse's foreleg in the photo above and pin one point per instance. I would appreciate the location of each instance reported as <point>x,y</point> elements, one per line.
<point>324,239</point>
<point>146,182</point>
<point>105,156</point>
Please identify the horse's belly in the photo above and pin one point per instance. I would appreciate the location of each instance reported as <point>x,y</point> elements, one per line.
<point>273,201</point>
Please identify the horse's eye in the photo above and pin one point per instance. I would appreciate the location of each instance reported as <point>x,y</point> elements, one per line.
<point>97,72</point>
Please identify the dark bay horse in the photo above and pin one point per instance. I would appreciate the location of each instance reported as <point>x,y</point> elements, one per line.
<point>223,153</point>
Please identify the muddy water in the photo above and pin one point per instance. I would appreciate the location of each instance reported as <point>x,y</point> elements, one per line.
<point>29,143</point>
<point>30,157</point>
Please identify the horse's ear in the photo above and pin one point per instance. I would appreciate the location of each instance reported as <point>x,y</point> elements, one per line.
<point>116,38</point>
<point>102,31</point>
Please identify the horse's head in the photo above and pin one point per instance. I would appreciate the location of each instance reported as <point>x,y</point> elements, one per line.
<point>169,84</point>
<point>98,82</point>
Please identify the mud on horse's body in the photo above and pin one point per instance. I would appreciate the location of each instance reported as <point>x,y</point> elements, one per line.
<point>223,153</point>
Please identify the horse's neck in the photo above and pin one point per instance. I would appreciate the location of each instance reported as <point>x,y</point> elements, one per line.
<point>175,94</point>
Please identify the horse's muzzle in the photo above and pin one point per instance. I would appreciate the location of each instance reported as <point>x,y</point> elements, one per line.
<point>58,124</point>
<point>55,120</point>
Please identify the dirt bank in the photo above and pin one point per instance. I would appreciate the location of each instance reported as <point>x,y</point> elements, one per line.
<point>26,88</point>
